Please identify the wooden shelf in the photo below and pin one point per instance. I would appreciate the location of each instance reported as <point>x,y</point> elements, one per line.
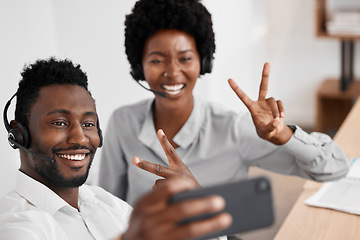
<point>333,104</point>
<point>320,24</point>
<point>335,96</point>
<point>330,88</point>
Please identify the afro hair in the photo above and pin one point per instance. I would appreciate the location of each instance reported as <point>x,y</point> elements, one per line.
<point>150,16</point>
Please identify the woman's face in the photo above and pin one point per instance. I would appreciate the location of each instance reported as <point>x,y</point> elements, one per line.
<point>171,64</point>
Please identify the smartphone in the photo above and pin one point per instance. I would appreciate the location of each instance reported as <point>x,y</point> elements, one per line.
<point>248,201</point>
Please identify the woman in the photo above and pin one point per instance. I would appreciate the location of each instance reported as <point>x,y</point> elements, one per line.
<point>170,43</point>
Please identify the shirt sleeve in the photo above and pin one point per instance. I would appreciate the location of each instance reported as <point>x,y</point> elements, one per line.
<point>113,167</point>
<point>15,234</point>
<point>22,230</point>
<point>317,155</point>
<point>313,156</point>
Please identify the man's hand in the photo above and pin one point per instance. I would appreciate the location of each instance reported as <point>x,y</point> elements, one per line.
<point>154,217</point>
<point>177,168</point>
<point>267,113</point>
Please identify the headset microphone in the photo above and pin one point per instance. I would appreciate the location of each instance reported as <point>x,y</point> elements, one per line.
<point>161,94</point>
<point>13,142</point>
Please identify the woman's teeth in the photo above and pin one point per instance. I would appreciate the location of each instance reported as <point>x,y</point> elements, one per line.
<point>173,89</point>
<point>76,157</point>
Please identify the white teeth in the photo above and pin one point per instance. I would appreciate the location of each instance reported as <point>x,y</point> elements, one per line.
<point>172,88</point>
<point>173,92</point>
<point>76,157</point>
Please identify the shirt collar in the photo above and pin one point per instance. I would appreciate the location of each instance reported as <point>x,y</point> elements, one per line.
<point>38,194</point>
<point>86,195</point>
<point>192,126</point>
<point>44,198</point>
<point>183,138</point>
<point>147,133</point>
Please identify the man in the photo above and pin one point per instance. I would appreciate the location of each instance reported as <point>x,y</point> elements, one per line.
<point>57,130</point>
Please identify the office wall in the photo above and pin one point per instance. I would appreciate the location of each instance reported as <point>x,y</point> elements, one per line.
<point>248,33</point>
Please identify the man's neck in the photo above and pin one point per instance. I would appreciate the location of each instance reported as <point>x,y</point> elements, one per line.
<point>70,195</point>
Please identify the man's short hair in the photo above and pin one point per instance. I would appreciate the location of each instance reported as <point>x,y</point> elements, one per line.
<point>43,73</point>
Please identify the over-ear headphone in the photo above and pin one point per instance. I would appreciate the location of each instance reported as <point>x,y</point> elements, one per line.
<point>137,72</point>
<point>99,132</point>
<point>20,135</point>
<point>206,62</point>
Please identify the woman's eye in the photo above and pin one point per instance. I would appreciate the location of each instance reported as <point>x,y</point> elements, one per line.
<point>155,61</point>
<point>184,59</point>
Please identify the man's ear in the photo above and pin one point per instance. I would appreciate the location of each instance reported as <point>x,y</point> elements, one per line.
<point>13,123</point>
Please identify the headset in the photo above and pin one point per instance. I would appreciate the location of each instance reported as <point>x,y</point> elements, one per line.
<point>19,135</point>
<point>206,64</point>
<point>137,72</point>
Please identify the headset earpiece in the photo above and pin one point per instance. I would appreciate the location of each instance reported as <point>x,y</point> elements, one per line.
<point>101,137</point>
<point>19,134</point>
<point>137,72</point>
<point>206,64</point>
<point>99,132</point>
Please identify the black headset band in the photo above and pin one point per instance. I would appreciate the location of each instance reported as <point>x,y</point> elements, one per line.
<point>6,121</point>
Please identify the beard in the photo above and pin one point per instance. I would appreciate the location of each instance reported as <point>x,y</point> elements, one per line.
<point>51,172</point>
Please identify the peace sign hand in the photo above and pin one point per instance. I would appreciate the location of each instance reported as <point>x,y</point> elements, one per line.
<point>267,113</point>
<point>177,168</point>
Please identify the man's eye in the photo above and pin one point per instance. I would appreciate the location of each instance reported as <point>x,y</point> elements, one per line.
<point>88,125</point>
<point>59,124</point>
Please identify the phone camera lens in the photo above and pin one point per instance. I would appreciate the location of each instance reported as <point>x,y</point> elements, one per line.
<point>262,185</point>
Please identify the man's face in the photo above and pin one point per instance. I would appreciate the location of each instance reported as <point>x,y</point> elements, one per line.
<point>63,126</point>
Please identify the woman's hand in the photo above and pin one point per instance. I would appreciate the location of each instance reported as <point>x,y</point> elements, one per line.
<point>267,113</point>
<point>177,168</point>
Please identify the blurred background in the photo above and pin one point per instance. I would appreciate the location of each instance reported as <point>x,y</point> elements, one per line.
<point>248,33</point>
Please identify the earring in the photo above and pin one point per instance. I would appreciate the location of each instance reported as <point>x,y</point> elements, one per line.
<point>165,74</point>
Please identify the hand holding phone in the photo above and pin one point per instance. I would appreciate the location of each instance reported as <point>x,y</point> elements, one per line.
<point>248,201</point>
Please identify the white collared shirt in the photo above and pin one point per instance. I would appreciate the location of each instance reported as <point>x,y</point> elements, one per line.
<point>33,211</point>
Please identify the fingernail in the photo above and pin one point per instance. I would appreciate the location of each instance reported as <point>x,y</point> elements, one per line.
<point>136,160</point>
<point>219,202</point>
<point>227,219</point>
<point>161,132</point>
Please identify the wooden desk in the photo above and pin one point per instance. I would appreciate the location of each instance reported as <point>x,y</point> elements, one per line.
<point>311,223</point>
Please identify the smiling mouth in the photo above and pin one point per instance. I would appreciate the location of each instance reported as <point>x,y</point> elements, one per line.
<point>73,157</point>
<point>173,89</point>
